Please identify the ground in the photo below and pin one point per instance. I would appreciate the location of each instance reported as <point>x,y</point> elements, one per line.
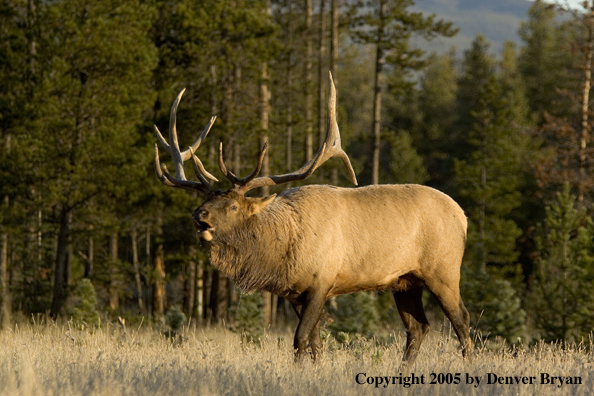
<point>54,359</point>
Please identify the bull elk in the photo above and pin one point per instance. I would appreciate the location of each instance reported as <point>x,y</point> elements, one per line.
<point>311,243</point>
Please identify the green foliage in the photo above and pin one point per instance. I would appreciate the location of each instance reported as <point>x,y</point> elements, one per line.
<point>391,25</point>
<point>546,61</point>
<point>84,310</point>
<point>428,111</point>
<point>81,83</point>
<point>401,163</point>
<point>494,305</point>
<point>248,315</point>
<point>488,173</point>
<point>175,319</point>
<point>561,298</point>
<point>355,314</point>
<point>438,101</point>
<point>91,50</point>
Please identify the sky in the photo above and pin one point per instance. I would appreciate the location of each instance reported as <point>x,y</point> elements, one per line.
<point>576,4</point>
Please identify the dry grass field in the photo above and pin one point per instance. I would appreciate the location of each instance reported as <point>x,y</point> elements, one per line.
<point>53,359</point>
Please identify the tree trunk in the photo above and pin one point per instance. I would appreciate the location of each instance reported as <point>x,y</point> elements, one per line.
<point>264,117</point>
<point>334,64</point>
<point>159,285</point>
<point>159,274</point>
<point>32,21</point>
<point>199,294</point>
<point>377,101</point>
<point>232,290</point>
<point>4,285</point>
<point>39,237</point>
<point>482,224</point>
<point>148,264</point>
<point>218,297</point>
<point>206,289</point>
<point>89,259</point>
<point>334,40</point>
<point>236,131</point>
<point>264,110</point>
<point>321,72</point>
<point>289,82</point>
<point>137,274</point>
<point>114,284</point>
<point>308,81</point>
<point>585,127</point>
<point>190,285</point>
<point>61,273</point>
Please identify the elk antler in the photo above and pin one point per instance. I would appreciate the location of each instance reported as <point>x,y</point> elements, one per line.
<point>203,186</point>
<point>328,149</point>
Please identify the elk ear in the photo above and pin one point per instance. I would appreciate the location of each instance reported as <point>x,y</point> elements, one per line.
<point>256,205</point>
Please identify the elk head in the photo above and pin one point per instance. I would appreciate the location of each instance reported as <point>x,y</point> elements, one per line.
<point>223,211</point>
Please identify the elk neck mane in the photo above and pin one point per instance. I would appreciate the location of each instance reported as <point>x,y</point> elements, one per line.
<point>260,253</point>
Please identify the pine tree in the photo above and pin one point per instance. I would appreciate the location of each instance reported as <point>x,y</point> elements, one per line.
<point>217,51</point>
<point>488,172</point>
<point>15,83</point>
<point>400,161</point>
<point>437,105</point>
<point>540,59</point>
<point>248,317</point>
<point>91,51</point>
<point>566,128</point>
<point>84,306</point>
<point>495,305</point>
<point>355,313</point>
<point>488,175</point>
<point>389,26</point>
<point>560,297</point>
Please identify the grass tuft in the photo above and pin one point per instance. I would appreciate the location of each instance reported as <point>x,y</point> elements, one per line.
<point>52,358</point>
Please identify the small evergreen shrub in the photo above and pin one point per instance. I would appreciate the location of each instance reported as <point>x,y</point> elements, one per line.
<point>355,314</point>
<point>248,315</point>
<point>84,310</point>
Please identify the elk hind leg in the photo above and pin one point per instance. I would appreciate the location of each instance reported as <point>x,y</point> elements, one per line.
<point>448,297</point>
<point>410,308</point>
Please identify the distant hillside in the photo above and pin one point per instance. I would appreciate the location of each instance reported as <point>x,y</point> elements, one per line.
<point>497,20</point>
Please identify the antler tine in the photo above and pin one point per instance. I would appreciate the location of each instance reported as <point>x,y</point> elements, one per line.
<point>178,161</point>
<point>158,171</point>
<point>331,147</point>
<point>332,139</point>
<point>200,171</point>
<point>228,174</point>
<point>286,178</point>
<point>179,157</point>
<point>256,171</point>
<point>166,178</point>
<point>192,149</point>
<point>237,182</point>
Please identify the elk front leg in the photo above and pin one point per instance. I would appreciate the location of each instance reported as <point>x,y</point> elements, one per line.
<point>410,308</point>
<point>308,330</point>
<point>315,341</point>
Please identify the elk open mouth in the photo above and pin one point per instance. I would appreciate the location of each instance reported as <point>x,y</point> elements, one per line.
<point>205,230</point>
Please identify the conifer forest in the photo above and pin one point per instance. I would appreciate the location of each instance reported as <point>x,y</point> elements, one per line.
<point>88,233</point>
